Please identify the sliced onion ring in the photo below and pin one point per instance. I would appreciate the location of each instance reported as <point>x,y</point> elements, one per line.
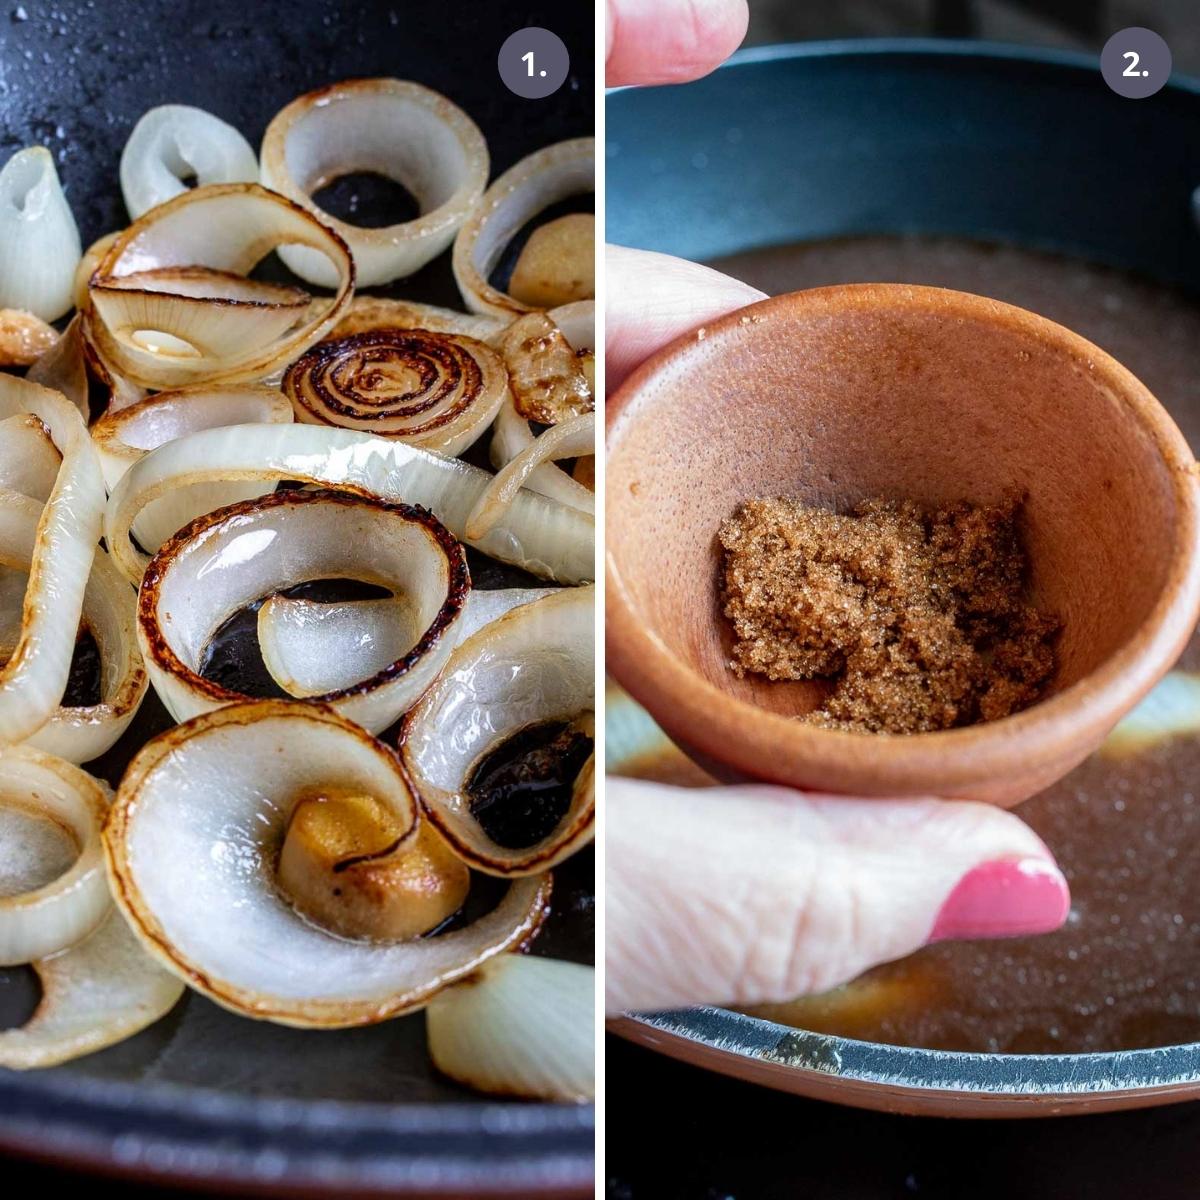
<point>191,844</point>
<point>547,539</point>
<point>58,912</point>
<point>121,391</point>
<point>223,228</point>
<point>401,130</point>
<point>519,1026</point>
<point>35,676</point>
<point>125,435</point>
<point>535,664</point>
<point>310,648</point>
<point>567,440</point>
<point>29,459</point>
<point>216,314</point>
<point>174,142</point>
<point>367,313</point>
<point>80,734</point>
<point>543,178</point>
<point>439,391</point>
<point>63,367</point>
<point>97,993</point>
<point>231,558</point>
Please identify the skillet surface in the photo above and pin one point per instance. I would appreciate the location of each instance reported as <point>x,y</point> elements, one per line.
<point>204,1094</point>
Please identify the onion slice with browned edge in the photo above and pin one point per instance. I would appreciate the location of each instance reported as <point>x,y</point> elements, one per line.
<point>29,459</point>
<point>511,433</point>
<point>570,439</point>
<point>79,734</point>
<point>401,130</point>
<point>519,1026</point>
<point>24,338</point>
<point>310,648</point>
<point>536,182</point>
<point>191,845</point>
<point>52,887</point>
<point>34,678</point>
<point>124,435</point>
<point>439,391</point>
<point>231,558</point>
<point>97,993</point>
<point>535,664</point>
<point>545,538</point>
<point>367,313</point>
<point>174,142</point>
<point>172,306</point>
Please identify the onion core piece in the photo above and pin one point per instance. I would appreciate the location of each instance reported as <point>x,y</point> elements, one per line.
<point>536,182</point>
<point>24,338</point>
<point>233,557</point>
<point>558,263</point>
<point>439,391</point>
<point>519,1026</point>
<point>63,367</point>
<point>44,909</point>
<point>401,130</point>
<point>176,142</point>
<point>191,845</point>
<point>534,665</point>
<point>39,240</point>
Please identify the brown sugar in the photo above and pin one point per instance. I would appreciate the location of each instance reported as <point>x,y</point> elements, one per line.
<point>918,618</point>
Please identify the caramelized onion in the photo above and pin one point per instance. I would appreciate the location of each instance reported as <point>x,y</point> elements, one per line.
<point>231,558</point>
<point>24,338</point>
<point>191,845</point>
<point>545,538</point>
<point>536,182</point>
<point>368,313</point>
<point>80,733</point>
<point>94,994</point>
<point>176,142</point>
<point>310,648</point>
<point>43,907</point>
<point>401,130</point>
<point>171,303</point>
<point>439,391</point>
<point>569,440</point>
<point>35,676</point>
<point>125,435</point>
<point>534,665</point>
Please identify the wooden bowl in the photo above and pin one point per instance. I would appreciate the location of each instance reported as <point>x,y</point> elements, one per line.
<point>843,394</point>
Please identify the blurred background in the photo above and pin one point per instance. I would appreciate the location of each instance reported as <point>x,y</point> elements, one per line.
<point>1070,24</point>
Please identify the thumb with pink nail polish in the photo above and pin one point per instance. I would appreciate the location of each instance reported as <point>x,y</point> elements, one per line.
<point>753,894</point>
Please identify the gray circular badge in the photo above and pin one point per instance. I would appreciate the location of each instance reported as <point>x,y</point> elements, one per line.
<point>1135,63</point>
<point>533,62</point>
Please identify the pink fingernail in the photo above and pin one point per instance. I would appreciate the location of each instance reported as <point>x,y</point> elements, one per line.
<point>1008,898</point>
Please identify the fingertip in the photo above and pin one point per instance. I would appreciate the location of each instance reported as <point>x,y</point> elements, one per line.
<point>671,41</point>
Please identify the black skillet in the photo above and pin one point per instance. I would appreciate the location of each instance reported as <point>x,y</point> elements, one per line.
<point>205,1096</point>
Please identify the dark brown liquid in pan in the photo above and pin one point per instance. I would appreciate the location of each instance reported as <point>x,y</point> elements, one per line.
<point>1125,972</point>
<point>521,790</point>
